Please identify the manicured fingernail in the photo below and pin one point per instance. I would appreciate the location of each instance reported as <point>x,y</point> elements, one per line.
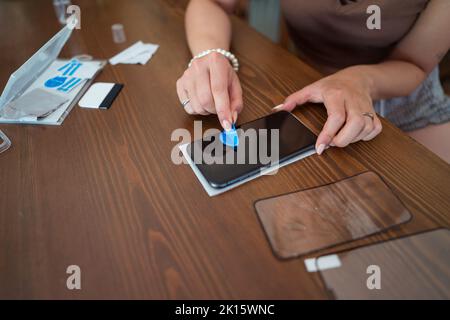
<point>320,149</point>
<point>235,116</point>
<point>278,107</point>
<point>332,144</point>
<point>226,125</point>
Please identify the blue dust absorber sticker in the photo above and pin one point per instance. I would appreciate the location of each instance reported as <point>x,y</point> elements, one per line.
<point>230,138</point>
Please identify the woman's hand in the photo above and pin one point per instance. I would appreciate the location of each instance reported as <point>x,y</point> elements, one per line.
<point>212,86</point>
<point>346,96</point>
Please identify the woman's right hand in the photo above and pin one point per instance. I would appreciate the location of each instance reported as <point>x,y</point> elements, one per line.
<point>212,86</point>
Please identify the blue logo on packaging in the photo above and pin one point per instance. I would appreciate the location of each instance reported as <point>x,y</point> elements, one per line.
<point>66,81</point>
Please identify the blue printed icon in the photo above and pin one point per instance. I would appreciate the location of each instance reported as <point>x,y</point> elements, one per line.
<point>69,84</point>
<point>66,81</point>
<point>70,68</point>
<point>55,82</point>
<point>230,138</point>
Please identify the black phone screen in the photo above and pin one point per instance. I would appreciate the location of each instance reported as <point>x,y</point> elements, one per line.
<point>264,142</point>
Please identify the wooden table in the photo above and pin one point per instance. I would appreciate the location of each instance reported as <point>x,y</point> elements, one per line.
<point>101,191</point>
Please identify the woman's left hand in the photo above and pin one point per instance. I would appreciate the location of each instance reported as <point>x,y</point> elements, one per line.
<point>346,96</point>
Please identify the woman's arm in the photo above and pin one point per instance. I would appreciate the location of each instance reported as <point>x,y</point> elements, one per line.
<point>415,56</point>
<point>208,25</point>
<point>210,84</point>
<point>348,94</point>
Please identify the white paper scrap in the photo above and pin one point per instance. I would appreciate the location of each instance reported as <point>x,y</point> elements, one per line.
<point>138,53</point>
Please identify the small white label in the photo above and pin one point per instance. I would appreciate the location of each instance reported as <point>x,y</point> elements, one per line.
<point>310,265</point>
<point>322,263</point>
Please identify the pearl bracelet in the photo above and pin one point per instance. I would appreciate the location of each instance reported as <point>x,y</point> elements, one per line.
<point>231,57</point>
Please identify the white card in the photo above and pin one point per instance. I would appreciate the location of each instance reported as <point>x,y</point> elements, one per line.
<point>95,95</point>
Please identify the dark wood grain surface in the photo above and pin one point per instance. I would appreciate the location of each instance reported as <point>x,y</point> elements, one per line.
<point>101,191</point>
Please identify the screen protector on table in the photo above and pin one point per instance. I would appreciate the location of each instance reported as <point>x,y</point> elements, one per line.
<point>313,219</point>
<point>414,267</point>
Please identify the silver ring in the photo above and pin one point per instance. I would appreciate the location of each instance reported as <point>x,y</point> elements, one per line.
<point>369,114</point>
<point>185,102</point>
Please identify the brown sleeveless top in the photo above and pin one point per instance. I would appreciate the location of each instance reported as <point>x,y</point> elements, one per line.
<point>333,34</point>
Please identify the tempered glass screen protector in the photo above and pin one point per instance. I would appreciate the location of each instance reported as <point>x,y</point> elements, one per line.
<point>309,220</point>
<point>413,267</point>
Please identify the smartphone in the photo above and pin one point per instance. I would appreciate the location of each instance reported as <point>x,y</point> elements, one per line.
<point>264,142</point>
